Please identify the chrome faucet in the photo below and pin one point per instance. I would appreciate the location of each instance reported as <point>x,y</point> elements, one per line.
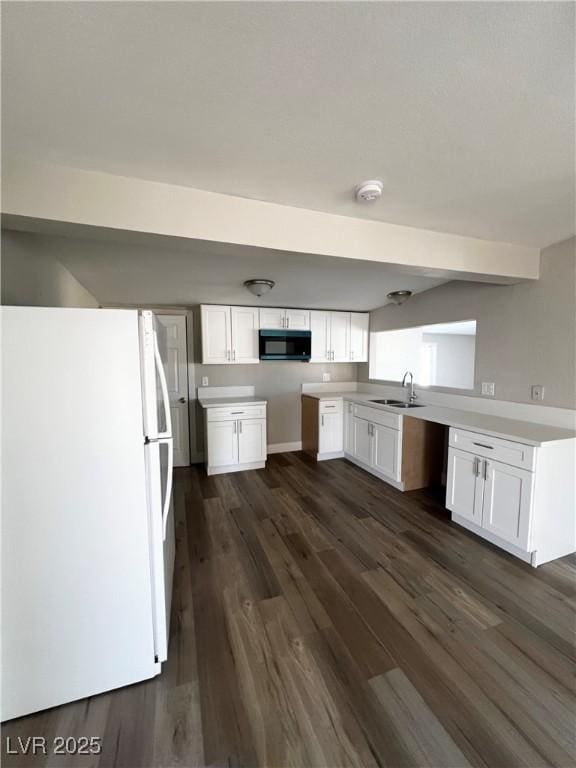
<point>412,396</point>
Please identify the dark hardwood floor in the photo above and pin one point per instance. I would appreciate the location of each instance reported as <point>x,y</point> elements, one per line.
<point>322,618</point>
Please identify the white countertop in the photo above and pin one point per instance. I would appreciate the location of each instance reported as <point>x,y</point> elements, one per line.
<point>520,431</point>
<point>217,402</point>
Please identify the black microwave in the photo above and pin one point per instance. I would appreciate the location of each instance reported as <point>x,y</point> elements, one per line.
<point>285,345</point>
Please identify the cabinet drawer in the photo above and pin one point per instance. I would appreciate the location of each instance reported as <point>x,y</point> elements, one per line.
<point>239,412</point>
<point>376,416</point>
<point>507,451</point>
<point>331,406</point>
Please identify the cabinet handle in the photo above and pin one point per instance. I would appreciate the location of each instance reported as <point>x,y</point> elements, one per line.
<point>322,420</point>
<point>234,355</point>
<point>227,354</point>
<point>482,445</point>
<point>485,470</point>
<point>287,322</point>
<point>236,413</point>
<point>235,427</point>
<point>240,427</point>
<point>476,466</point>
<point>351,354</point>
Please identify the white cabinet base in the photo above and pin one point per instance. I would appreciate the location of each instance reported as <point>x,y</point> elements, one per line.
<point>326,456</point>
<point>373,471</point>
<point>521,554</point>
<point>235,468</point>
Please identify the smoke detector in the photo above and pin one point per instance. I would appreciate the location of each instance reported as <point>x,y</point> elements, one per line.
<point>369,191</point>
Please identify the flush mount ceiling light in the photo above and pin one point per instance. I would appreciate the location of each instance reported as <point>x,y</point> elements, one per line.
<point>259,287</point>
<point>399,297</point>
<point>368,191</point>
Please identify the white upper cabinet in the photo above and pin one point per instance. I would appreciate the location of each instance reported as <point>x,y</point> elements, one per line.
<point>340,337</point>
<point>229,334</point>
<point>245,327</point>
<point>216,335</point>
<point>320,327</point>
<point>298,319</point>
<point>359,337</point>
<point>272,318</point>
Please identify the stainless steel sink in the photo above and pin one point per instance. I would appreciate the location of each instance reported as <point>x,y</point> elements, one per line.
<point>407,405</point>
<point>387,402</point>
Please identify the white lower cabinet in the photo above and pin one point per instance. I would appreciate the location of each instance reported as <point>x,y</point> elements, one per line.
<point>330,437</point>
<point>526,506</point>
<point>376,446</point>
<point>235,439</point>
<point>251,440</point>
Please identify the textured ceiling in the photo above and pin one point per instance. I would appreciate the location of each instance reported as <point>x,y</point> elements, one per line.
<point>465,109</point>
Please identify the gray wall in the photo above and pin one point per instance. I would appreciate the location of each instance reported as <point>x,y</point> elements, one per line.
<point>526,333</point>
<point>33,275</point>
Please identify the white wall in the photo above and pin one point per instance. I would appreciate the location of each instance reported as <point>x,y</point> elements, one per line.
<point>455,354</point>
<point>526,333</point>
<point>32,275</point>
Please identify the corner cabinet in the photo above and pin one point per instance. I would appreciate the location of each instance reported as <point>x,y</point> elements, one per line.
<point>519,497</point>
<point>235,438</point>
<point>229,335</point>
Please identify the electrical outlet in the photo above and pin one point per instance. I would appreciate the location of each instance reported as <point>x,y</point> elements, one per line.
<point>204,381</point>
<point>537,392</point>
<point>488,388</point>
<point>325,377</point>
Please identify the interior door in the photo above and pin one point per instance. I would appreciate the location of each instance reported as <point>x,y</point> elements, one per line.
<point>298,319</point>
<point>176,368</point>
<point>245,326</point>
<point>320,327</point>
<point>506,503</point>
<point>251,440</point>
<point>272,318</point>
<point>216,335</point>
<point>362,440</point>
<point>385,449</point>
<point>340,336</point>
<point>222,443</point>
<point>465,486</point>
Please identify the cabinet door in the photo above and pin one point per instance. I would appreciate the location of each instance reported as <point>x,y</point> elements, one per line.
<point>272,318</point>
<point>298,319</point>
<point>348,428</point>
<point>385,450</point>
<point>465,486</point>
<point>251,440</point>
<point>507,502</point>
<point>331,433</point>
<point>362,440</point>
<point>245,326</point>
<point>340,336</point>
<point>216,335</point>
<point>320,327</point>
<point>222,443</point>
<point>359,337</point>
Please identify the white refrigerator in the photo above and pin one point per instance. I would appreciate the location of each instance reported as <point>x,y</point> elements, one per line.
<point>87,523</point>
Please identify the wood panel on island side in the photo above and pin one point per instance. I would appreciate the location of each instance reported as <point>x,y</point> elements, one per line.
<point>322,618</point>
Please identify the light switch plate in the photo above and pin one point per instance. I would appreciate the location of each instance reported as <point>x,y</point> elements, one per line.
<point>204,381</point>
<point>537,392</point>
<point>325,377</point>
<point>488,388</point>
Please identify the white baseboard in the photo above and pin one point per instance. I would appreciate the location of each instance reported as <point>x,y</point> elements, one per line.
<point>284,447</point>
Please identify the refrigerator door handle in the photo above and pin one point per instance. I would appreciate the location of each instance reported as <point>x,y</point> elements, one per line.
<point>164,388</point>
<point>168,490</point>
